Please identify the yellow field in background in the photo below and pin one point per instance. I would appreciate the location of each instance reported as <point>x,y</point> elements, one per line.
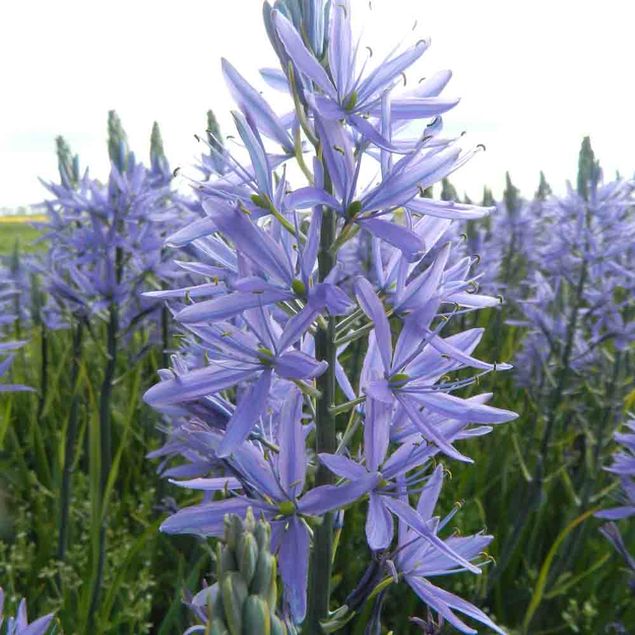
<point>23,218</point>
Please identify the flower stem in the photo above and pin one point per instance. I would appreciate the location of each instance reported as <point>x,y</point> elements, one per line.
<point>105,434</point>
<point>326,441</point>
<point>69,447</point>
<point>44,360</point>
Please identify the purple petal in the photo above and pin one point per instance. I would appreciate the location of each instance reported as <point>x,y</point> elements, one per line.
<point>374,309</point>
<point>217,484</point>
<point>292,456</point>
<point>430,494</point>
<point>251,241</point>
<point>342,466</point>
<point>326,498</point>
<point>302,58</point>
<point>340,48</point>
<point>617,513</point>
<point>448,209</point>
<point>298,365</point>
<point>207,519</point>
<point>383,76</point>
<point>419,107</point>
<point>376,433</point>
<point>306,197</point>
<point>297,326</point>
<point>39,627</point>
<point>443,602</point>
<point>275,78</point>
<point>254,106</point>
<point>411,518</point>
<point>196,384</point>
<point>447,347</point>
<point>404,182</point>
<point>401,237</point>
<point>257,153</point>
<point>246,415</point>
<point>380,527</point>
<point>380,390</point>
<point>230,305</point>
<point>197,229</point>
<point>428,431</point>
<point>462,409</point>
<point>293,559</point>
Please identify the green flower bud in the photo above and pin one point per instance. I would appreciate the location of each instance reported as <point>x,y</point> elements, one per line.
<point>235,592</point>
<point>228,560</point>
<point>218,628</point>
<point>298,287</point>
<point>246,572</point>
<point>287,508</point>
<point>351,102</point>
<point>260,201</point>
<point>264,578</point>
<point>256,617</point>
<point>233,530</point>
<point>277,627</point>
<point>399,378</point>
<point>247,557</point>
<point>263,536</point>
<point>354,209</point>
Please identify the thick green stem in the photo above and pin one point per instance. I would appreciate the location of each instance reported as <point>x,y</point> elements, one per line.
<point>326,441</point>
<point>44,376</point>
<point>105,397</point>
<point>105,434</point>
<point>71,440</point>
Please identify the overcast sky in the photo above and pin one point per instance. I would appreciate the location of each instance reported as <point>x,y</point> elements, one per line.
<point>534,77</point>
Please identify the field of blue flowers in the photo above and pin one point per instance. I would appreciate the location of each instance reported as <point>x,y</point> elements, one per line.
<point>318,391</point>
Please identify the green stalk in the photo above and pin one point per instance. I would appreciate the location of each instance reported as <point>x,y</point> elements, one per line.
<point>591,476</point>
<point>71,440</point>
<point>105,436</point>
<point>105,397</point>
<point>44,377</point>
<point>165,363</point>
<point>326,441</point>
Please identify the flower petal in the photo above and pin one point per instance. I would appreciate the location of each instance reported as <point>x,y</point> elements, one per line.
<point>246,415</point>
<point>292,456</point>
<point>380,527</point>
<point>302,58</point>
<point>326,498</point>
<point>293,559</point>
<point>255,107</point>
<point>370,304</point>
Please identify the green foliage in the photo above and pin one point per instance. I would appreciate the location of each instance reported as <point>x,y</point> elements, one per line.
<point>583,587</point>
<point>145,572</point>
<point>448,191</point>
<point>18,232</point>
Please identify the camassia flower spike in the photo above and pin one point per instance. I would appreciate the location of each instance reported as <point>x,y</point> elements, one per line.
<point>311,379</point>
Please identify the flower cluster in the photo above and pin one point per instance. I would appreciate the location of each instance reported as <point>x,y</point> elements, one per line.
<point>583,283</point>
<point>307,383</point>
<point>106,240</point>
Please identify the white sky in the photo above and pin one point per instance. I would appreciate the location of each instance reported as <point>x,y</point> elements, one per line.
<point>534,77</point>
